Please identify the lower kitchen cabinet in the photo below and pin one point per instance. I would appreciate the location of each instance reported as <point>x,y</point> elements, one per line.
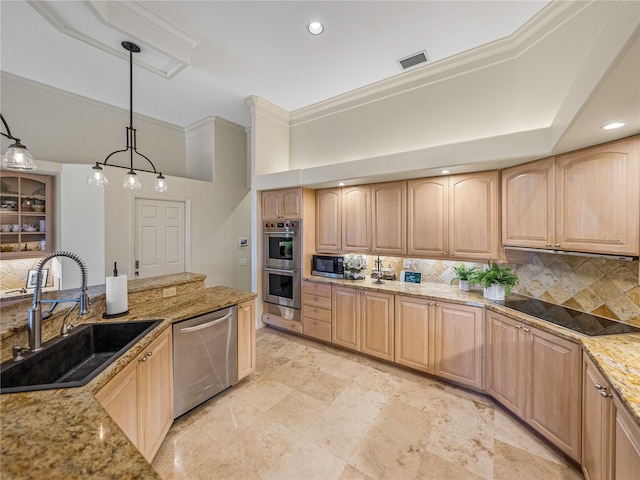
<point>537,376</point>
<point>246,339</point>
<point>626,461</point>
<point>363,321</point>
<point>316,310</point>
<point>140,397</point>
<point>414,333</point>
<point>597,423</point>
<point>459,335</point>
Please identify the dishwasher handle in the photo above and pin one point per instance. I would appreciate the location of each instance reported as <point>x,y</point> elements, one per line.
<point>206,325</point>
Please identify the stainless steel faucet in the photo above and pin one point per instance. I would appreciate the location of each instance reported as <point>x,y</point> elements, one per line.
<point>35,312</point>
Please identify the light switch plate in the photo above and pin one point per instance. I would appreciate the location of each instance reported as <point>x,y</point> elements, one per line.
<point>406,263</point>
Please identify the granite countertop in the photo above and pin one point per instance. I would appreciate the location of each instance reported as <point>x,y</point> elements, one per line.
<point>66,433</point>
<point>615,355</point>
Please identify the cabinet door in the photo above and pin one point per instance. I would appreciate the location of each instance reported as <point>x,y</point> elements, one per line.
<point>528,204</point>
<point>155,394</point>
<point>555,390</point>
<point>627,444</point>
<point>376,324</point>
<point>246,339</point>
<point>473,216</point>
<point>598,199</point>
<point>597,424</point>
<point>328,220</point>
<point>345,315</point>
<point>271,205</point>
<point>458,343</point>
<point>356,218</point>
<point>506,362</point>
<point>119,398</point>
<point>414,333</point>
<point>291,203</point>
<point>428,217</point>
<point>389,222</point>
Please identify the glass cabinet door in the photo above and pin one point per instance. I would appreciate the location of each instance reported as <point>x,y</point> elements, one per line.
<point>26,215</point>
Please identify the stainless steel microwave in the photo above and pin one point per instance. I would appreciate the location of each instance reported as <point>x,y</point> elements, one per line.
<point>328,266</point>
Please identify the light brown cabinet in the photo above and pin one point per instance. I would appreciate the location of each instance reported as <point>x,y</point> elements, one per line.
<point>597,423</point>
<point>316,310</point>
<point>140,397</point>
<point>356,219</point>
<point>626,461</point>
<point>455,216</point>
<point>278,204</point>
<point>363,321</point>
<point>329,220</point>
<point>389,220</point>
<point>440,338</point>
<point>459,335</point>
<point>246,339</point>
<point>585,201</point>
<point>26,215</point>
<point>537,376</point>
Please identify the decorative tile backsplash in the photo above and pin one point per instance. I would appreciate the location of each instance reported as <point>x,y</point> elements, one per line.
<point>608,288</point>
<point>13,273</point>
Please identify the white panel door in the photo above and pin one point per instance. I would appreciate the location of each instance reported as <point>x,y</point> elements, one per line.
<point>159,237</point>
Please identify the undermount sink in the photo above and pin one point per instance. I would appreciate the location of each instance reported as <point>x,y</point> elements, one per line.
<point>72,361</point>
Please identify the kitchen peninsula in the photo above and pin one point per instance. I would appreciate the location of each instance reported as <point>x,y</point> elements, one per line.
<point>66,433</point>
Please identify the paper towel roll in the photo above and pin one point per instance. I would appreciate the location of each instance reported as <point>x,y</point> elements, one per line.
<point>117,300</point>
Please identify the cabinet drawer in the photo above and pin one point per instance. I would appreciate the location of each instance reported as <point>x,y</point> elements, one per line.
<point>316,313</point>
<point>316,329</point>
<point>316,301</point>
<point>319,289</point>
<point>291,325</point>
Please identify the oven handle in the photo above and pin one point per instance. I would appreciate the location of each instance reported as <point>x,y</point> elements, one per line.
<point>279,234</point>
<point>206,325</point>
<point>278,270</point>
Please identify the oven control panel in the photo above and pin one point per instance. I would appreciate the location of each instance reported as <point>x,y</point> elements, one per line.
<point>283,226</point>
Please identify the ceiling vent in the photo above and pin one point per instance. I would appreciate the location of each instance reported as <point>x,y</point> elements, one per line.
<point>413,60</point>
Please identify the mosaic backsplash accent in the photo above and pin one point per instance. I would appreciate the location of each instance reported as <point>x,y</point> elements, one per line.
<point>608,288</point>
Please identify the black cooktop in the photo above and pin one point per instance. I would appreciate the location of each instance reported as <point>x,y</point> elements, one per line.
<point>575,320</point>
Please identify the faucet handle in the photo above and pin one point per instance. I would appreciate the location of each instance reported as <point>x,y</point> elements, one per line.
<point>17,353</point>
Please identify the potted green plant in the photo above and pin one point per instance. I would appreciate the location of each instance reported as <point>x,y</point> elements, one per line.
<point>497,281</point>
<point>463,275</point>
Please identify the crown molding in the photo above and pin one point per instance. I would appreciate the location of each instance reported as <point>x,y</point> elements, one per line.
<point>262,107</point>
<point>540,26</point>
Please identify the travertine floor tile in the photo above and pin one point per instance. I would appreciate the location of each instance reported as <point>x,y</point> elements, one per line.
<point>311,411</point>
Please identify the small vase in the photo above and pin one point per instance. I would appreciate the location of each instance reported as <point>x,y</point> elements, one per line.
<point>354,275</point>
<point>464,285</point>
<point>494,292</point>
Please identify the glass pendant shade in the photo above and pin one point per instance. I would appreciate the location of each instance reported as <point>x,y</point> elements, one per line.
<point>131,181</point>
<point>18,157</point>
<point>97,177</point>
<point>161,184</point>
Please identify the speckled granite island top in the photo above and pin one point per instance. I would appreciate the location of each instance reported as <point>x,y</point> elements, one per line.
<point>66,433</point>
<point>617,356</point>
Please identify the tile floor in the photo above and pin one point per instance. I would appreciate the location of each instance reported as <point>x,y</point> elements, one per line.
<point>311,411</point>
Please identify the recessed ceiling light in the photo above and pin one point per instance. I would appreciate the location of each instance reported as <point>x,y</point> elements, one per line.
<point>341,184</point>
<point>445,171</point>
<point>315,28</point>
<point>611,126</point>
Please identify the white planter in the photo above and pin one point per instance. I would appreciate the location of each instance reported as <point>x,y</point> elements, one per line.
<point>494,292</point>
<point>464,285</point>
<point>351,275</point>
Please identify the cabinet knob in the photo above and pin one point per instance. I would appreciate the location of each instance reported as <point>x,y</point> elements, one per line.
<point>315,322</point>
<point>598,386</point>
<point>315,298</point>
<point>547,244</point>
<point>451,254</point>
<point>526,329</point>
<point>430,303</point>
<point>149,354</point>
<point>556,244</point>
<point>518,326</point>
<point>603,393</point>
<point>315,310</point>
<point>143,359</point>
<point>437,304</point>
<point>293,325</point>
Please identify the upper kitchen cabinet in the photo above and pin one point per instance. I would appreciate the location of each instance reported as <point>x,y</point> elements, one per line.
<point>329,220</point>
<point>584,201</point>
<point>389,220</point>
<point>277,204</point>
<point>26,215</point>
<point>362,218</point>
<point>455,216</point>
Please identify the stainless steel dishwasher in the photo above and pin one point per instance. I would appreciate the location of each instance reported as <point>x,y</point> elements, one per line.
<point>205,362</point>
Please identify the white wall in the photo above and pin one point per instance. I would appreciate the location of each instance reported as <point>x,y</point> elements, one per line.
<point>270,137</point>
<point>62,127</point>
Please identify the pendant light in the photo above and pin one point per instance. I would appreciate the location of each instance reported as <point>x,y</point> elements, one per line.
<point>131,181</point>
<point>17,156</point>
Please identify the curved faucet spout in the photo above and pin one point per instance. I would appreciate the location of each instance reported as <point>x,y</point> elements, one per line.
<point>35,312</point>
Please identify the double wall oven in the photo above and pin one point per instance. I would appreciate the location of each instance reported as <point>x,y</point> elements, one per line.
<point>282,254</point>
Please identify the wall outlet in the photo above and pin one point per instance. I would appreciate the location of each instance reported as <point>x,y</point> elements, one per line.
<point>406,263</point>
<point>169,292</point>
<point>243,261</point>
